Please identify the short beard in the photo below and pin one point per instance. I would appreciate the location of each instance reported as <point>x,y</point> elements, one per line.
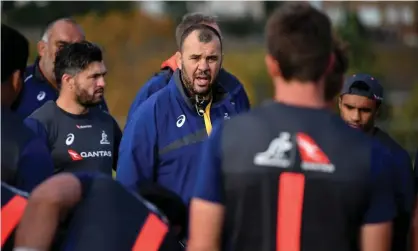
<point>188,84</point>
<point>85,100</point>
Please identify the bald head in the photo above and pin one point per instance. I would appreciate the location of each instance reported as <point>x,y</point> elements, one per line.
<point>57,34</point>
<point>66,26</point>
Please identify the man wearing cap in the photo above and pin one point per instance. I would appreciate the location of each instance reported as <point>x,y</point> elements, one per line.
<point>359,103</point>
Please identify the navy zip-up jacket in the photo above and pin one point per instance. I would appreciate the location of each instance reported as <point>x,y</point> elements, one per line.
<point>162,142</point>
<point>25,159</point>
<point>36,91</point>
<point>230,83</point>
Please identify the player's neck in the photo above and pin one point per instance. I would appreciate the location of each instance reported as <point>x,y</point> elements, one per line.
<point>51,81</point>
<point>295,93</point>
<point>71,106</point>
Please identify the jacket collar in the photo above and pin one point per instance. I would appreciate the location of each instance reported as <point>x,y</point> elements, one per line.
<point>38,75</point>
<point>170,63</point>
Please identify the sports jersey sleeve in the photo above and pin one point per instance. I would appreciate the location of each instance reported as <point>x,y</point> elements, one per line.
<point>137,151</point>
<point>35,165</point>
<point>209,179</point>
<point>382,204</point>
<point>38,128</point>
<point>405,179</point>
<point>153,85</point>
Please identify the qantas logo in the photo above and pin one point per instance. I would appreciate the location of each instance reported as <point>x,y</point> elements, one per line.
<point>96,154</point>
<point>74,155</point>
<point>93,154</point>
<point>313,158</point>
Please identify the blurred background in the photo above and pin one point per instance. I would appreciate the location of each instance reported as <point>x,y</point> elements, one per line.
<point>138,36</point>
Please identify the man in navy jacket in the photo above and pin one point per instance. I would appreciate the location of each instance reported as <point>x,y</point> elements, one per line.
<point>25,160</point>
<point>162,142</point>
<point>162,78</point>
<point>40,85</point>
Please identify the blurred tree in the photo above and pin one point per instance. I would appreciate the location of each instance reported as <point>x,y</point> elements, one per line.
<point>248,66</point>
<point>404,125</point>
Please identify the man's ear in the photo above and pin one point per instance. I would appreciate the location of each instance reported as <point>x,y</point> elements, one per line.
<point>67,80</point>
<point>273,67</point>
<point>340,102</point>
<point>179,59</point>
<point>17,81</point>
<point>41,46</point>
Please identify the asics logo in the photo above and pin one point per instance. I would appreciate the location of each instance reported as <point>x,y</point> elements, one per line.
<point>180,121</point>
<point>70,139</point>
<point>41,96</point>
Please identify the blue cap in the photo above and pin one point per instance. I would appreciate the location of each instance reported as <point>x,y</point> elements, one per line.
<point>363,85</point>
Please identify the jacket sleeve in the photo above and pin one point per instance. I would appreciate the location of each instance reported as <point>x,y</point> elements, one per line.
<point>38,129</point>
<point>35,165</point>
<point>153,85</point>
<point>117,138</point>
<point>137,151</point>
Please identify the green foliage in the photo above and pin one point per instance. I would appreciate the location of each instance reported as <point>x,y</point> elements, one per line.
<point>404,125</point>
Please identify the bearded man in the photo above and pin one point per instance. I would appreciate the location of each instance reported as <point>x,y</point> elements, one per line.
<point>162,142</point>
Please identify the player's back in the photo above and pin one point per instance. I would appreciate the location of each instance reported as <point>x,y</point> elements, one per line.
<point>110,218</point>
<point>300,181</point>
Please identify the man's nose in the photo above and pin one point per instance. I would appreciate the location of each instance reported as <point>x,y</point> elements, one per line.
<point>355,116</point>
<point>101,82</point>
<point>203,65</point>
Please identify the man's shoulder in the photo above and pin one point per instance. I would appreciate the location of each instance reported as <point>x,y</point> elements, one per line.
<point>103,115</point>
<point>45,113</point>
<point>262,119</point>
<point>388,141</point>
<point>229,81</point>
<point>15,127</point>
<point>157,82</point>
<point>29,71</point>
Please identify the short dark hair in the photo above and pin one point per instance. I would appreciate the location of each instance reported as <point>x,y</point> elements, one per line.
<point>334,80</point>
<point>299,38</point>
<point>192,19</point>
<point>14,52</point>
<point>74,58</point>
<point>206,34</point>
